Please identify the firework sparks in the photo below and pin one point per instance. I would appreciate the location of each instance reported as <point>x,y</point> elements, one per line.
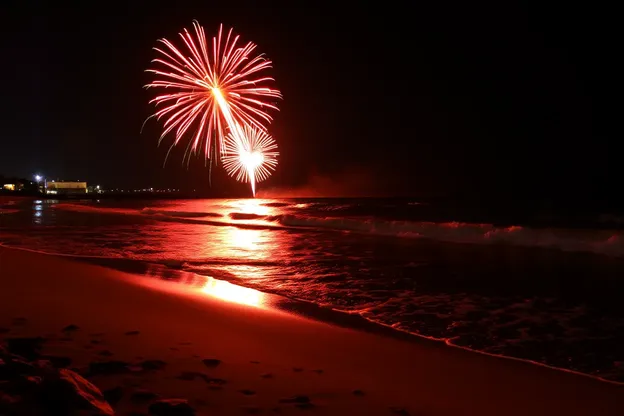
<point>251,159</point>
<point>215,88</point>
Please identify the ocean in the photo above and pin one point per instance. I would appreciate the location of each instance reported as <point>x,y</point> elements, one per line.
<point>548,291</point>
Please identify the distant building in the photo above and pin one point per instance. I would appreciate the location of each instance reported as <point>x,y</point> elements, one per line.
<point>9,187</point>
<point>62,187</point>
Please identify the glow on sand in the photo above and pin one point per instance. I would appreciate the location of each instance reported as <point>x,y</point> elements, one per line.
<point>214,89</point>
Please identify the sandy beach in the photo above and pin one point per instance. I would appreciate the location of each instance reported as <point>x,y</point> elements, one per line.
<point>228,358</point>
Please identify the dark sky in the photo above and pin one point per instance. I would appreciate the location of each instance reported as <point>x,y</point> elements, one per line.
<point>409,97</point>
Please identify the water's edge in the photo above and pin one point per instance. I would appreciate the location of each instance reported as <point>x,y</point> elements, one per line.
<point>301,307</point>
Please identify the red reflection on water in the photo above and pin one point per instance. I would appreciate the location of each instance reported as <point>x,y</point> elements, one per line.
<point>206,285</point>
<point>233,293</point>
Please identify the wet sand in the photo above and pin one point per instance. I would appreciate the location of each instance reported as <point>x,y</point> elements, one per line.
<point>141,340</point>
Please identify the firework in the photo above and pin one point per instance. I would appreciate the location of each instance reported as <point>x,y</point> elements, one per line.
<point>251,159</point>
<point>213,88</point>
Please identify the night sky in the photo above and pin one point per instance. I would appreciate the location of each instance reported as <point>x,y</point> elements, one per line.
<point>386,97</point>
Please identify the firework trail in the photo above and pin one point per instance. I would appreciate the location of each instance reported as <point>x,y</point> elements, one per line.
<point>216,88</point>
<point>252,159</point>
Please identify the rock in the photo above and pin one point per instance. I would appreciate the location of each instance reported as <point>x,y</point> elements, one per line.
<point>211,362</point>
<point>247,392</point>
<point>114,395</point>
<point>255,362</point>
<point>142,396</point>
<point>68,393</point>
<point>296,399</point>
<point>107,367</point>
<point>171,407</point>
<point>29,348</point>
<point>193,375</point>
<point>399,411</point>
<point>132,333</point>
<point>266,375</point>
<point>358,392</point>
<point>71,328</point>
<point>151,365</point>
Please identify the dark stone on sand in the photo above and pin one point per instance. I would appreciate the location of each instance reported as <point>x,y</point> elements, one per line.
<point>215,382</point>
<point>108,367</point>
<point>152,365</point>
<point>132,333</point>
<point>114,395</point>
<point>400,411</point>
<point>192,375</point>
<point>296,399</point>
<point>266,375</point>
<point>171,407</point>
<point>358,392</point>
<point>57,361</point>
<point>105,353</point>
<point>247,392</point>
<point>211,362</point>
<point>255,362</point>
<point>143,396</point>
<point>71,328</point>
<point>319,371</point>
<point>29,348</point>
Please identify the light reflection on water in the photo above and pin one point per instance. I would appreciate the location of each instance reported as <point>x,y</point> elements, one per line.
<point>208,285</point>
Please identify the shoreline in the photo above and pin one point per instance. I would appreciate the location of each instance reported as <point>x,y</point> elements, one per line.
<point>297,307</point>
<point>420,376</point>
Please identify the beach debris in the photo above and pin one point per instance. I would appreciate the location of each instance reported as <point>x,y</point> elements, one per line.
<point>399,411</point>
<point>211,362</point>
<point>192,375</point>
<point>142,396</point>
<point>29,348</point>
<point>72,392</point>
<point>296,400</point>
<point>113,395</point>
<point>105,353</point>
<point>171,407</point>
<point>108,367</point>
<point>152,365</point>
<point>71,328</point>
<point>254,362</point>
<point>266,375</point>
<point>358,392</point>
<point>318,371</point>
<point>132,333</point>
<point>247,392</point>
